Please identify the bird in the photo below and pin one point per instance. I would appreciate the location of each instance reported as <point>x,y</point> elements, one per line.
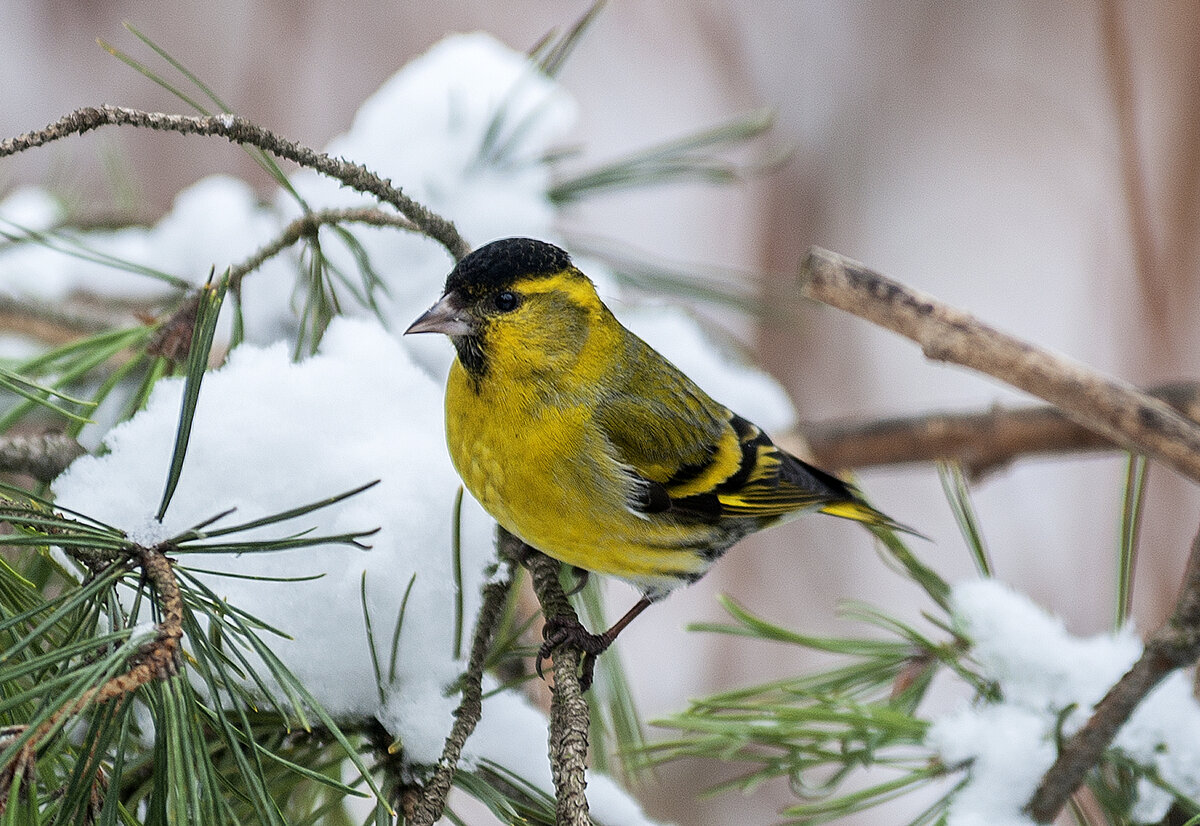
<point>586,444</point>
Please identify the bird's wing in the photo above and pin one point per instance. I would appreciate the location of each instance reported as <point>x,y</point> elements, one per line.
<point>775,482</point>
<point>692,455</point>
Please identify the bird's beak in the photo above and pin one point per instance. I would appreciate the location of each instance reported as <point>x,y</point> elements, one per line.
<point>448,316</point>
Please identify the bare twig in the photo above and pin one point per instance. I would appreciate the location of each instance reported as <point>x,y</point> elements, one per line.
<point>568,710</point>
<point>55,322</point>
<point>1107,406</point>
<point>981,442</point>
<point>43,457</point>
<point>1175,645</point>
<point>432,800</point>
<point>241,131</point>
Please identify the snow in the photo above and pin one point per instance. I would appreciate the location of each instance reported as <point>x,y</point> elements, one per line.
<point>1041,670</point>
<point>32,208</point>
<point>142,633</point>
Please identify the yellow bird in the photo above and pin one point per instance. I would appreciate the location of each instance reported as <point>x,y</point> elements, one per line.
<point>586,444</point>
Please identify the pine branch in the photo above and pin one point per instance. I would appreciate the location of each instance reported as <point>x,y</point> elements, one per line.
<point>568,710</point>
<point>157,660</point>
<point>1114,409</point>
<point>241,131</point>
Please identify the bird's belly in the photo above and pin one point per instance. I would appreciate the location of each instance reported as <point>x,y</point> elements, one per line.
<point>539,477</point>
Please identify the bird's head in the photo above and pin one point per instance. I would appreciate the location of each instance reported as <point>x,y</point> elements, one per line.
<point>516,304</point>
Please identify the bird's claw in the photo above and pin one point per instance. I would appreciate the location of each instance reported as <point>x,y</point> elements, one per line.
<point>558,632</point>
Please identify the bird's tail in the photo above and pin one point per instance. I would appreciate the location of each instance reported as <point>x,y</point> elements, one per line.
<point>860,511</point>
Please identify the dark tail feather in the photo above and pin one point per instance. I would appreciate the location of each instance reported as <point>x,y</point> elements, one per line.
<point>847,502</point>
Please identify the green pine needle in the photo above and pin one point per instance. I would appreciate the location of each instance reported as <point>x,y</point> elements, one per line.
<point>958,494</point>
<point>207,313</point>
<point>1132,499</point>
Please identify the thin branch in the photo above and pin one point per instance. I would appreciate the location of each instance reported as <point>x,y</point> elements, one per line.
<point>306,225</point>
<point>568,710</point>
<point>173,337</point>
<point>158,659</point>
<point>1107,406</point>
<point>981,442</point>
<point>43,457</point>
<point>1175,645</point>
<point>241,131</point>
<point>432,800</point>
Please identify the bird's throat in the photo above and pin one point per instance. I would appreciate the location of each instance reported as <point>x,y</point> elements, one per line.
<point>471,354</point>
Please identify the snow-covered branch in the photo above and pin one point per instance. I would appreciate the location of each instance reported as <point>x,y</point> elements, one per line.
<point>1175,645</point>
<point>1133,419</point>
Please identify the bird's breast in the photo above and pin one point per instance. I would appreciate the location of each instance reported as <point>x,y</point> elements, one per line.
<point>544,471</point>
<point>519,455</point>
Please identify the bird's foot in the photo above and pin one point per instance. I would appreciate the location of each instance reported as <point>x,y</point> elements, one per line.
<point>569,632</point>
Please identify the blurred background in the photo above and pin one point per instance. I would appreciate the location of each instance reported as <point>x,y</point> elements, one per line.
<point>1036,164</point>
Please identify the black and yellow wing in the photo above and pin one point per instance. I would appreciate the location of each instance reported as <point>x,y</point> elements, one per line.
<point>694,457</point>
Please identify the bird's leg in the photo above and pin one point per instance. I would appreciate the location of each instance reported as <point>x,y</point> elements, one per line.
<point>558,631</point>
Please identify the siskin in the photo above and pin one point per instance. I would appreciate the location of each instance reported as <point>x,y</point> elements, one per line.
<point>586,444</point>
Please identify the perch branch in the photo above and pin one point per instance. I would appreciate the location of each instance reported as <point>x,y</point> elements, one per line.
<point>1175,645</point>
<point>568,710</point>
<point>981,441</point>
<point>1112,408</point>
<point>241,131</point>
<point>432,800</point>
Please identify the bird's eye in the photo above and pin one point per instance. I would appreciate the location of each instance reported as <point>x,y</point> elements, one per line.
<point>506,301</point>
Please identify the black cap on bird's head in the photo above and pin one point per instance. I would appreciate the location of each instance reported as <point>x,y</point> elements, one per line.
<point>488,270</point>
<point>501,262</point>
